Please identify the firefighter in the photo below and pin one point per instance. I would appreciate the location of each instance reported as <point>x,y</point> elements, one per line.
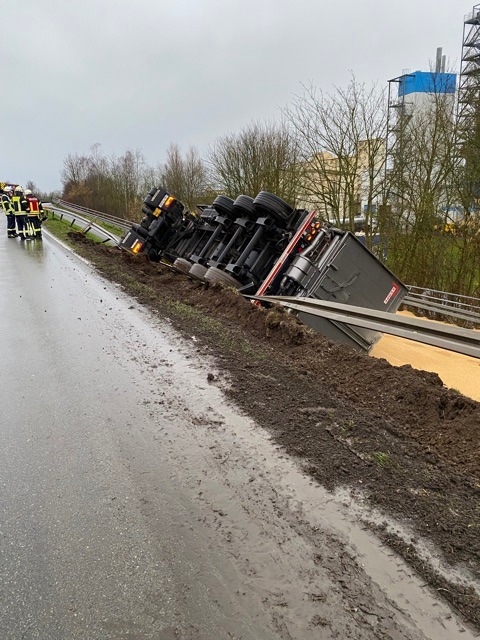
<point>20,208</point>
<point>34,214</point>
<point>7,206</point>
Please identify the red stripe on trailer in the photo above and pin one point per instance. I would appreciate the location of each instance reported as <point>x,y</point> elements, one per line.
<point>277,266</point>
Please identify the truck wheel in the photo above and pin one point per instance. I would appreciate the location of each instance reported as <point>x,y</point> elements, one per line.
<point>182,265</point>
<point>273,205</point>
<point>153,256</point>
<point>224,206</point>
<point>142,231</point>
<point>217,275</point>
<point>243,206</point>
<point>198,270</point>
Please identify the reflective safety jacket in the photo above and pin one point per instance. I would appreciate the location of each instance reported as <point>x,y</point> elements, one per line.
<point>6,204</point>
<point>34,207</point>
<point>20,205</point>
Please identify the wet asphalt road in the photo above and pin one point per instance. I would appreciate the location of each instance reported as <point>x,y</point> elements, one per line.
<point>78,557</point>
<point>136,504</point>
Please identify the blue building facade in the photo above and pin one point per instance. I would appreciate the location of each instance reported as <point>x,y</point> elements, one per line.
<point>427,82</point>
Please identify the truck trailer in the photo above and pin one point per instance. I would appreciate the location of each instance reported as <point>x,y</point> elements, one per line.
<point>264,246</point>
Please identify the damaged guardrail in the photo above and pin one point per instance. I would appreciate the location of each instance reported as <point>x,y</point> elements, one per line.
<point>106,237</point>
<point>452,338</point>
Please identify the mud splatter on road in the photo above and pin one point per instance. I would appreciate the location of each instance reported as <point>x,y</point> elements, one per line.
<point>393,437</point>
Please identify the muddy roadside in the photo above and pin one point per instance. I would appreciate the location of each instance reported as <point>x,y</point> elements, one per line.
<point>395,437</point>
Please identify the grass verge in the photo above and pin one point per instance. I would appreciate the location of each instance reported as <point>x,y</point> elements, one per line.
<point>61,229</point>
<point>104,225</point>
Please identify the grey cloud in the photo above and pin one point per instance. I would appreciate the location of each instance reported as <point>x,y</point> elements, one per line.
<point>143,74</point>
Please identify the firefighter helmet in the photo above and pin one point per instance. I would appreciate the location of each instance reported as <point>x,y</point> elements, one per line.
<point>18,189</point>
<point>27,192</point>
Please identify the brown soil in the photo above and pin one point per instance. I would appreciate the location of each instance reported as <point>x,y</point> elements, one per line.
<point>394,434</point>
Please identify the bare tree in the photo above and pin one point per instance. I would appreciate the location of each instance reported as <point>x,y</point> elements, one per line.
<point>425,245</point>
<point>342,141</point>
<point>173,172</point>
<point>75,169</point>
<point>197,185</point>
<point>467,193</point>
<point>113,184</point>
<point>151,176</point>
<point>32,186</point>
<point>185,177</point>
<point>262,157</point>
<point>126,176</point>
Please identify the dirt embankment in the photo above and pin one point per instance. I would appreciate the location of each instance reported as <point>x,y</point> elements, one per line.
<point>457,371</point>
<point>396,435</point>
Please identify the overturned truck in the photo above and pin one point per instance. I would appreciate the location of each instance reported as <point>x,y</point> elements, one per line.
<point>264,246</point>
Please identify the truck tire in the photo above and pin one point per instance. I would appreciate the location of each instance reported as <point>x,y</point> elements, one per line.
<point>141,231</point>
<point>142,228</point>
<point>243,206</point>
<point>153,256</point>
<point>214,274</point>
<point>224,206</point>
<point>182,265</point>
<point>198,270</point>
<point>273,206</point>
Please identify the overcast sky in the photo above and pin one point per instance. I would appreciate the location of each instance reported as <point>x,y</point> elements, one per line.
<point>139,74</point>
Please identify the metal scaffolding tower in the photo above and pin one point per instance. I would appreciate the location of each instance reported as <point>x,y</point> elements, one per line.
<point>399,113</point>
<point>468,102</point>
